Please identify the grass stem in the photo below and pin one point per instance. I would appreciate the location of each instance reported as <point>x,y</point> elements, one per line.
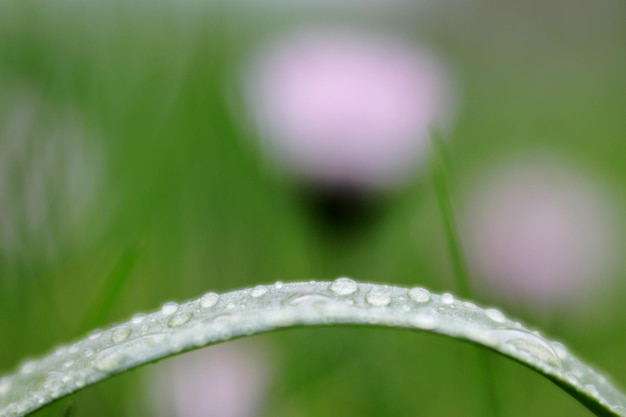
<point>483,366</point>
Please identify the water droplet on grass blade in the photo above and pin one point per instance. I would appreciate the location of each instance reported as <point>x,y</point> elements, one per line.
<point>95,334</point>
<point>344,286</point>
<point>121,356</point>
<point>560,350</point>
<point>378,298</point>
<point>61,350</point>
<point>210,299</point>
<point>339,302</point>
<point>138,318</point>
<point>495,315</point>
<point>169,308</point>
<point>27,367</point>
<point>419,295</point>
<point>258,291</point>
<point>120,334</point>
<point>179,319</point>
<point>447,298</point>
<point>533,346</point>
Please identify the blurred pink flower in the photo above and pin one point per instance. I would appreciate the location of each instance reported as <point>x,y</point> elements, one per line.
<point>540,232</point>
<point>228,380</point>
<point>346,107</point>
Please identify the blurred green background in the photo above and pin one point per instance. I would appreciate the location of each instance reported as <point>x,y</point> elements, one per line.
<point>182,202</point>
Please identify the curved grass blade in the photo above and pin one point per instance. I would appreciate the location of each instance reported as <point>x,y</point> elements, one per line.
<point>217,318</point>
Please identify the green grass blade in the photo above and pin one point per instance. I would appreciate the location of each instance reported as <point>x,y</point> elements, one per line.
<point>440,169</point>
<point>483,368</point>
<point>112,290</point>
<point>214,318</point>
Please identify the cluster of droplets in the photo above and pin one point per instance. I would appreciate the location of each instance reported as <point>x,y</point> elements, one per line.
<point>488,326</point>
<point>428,311</point>
<point>213,318</point>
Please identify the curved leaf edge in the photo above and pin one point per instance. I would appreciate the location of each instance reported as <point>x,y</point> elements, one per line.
<point>213,318</point>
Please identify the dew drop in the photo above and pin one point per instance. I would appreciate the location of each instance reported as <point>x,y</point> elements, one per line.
<point>120,334</point>
<point>179,319</point>
<point>258,291</point>
<point>138,318</point>
<point>95,334</point>
<point>73,349</point>
<point>344,286</point>
<point>495,315</point>
<point>447,298</point>
<point>89,353</point>
<point>209,299</point>
<point>169,308</point>
<point>278,285</point>
<point>560,350</point>
<point>378,298</point>
<point>68,364</point>
<point>529,344</point>
<point>124,355</point>
<point>419,295</point>
<point>28,367</point>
